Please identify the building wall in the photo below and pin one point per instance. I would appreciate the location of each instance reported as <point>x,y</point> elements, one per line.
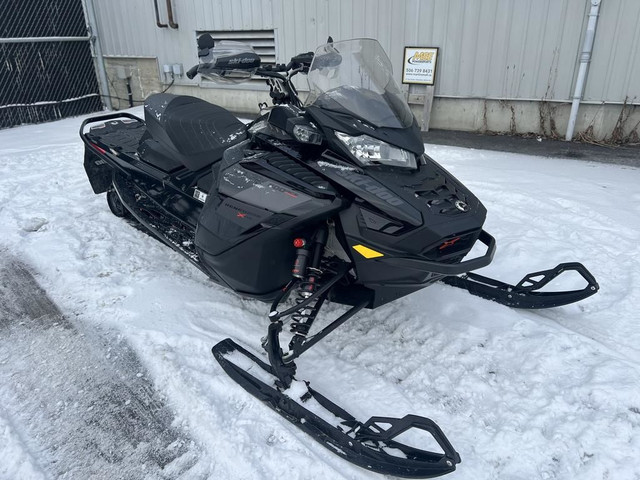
<point>500,60</point>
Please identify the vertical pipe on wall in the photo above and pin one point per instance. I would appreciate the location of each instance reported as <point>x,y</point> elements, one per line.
<point>585,58</point>
<point>172,24</point>
<point>97,51</point>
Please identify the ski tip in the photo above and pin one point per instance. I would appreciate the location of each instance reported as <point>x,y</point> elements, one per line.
<point>223,347</point>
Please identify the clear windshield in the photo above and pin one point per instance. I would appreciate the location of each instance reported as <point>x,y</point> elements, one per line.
<point>355,77</point>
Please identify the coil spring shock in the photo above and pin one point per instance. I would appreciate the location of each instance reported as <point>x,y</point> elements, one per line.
<point>301,320</point>
<point>309,274</point>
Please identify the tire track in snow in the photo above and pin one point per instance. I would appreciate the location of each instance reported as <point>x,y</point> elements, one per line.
<point>80,401</point>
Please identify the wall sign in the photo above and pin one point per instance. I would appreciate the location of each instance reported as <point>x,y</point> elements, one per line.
<point>419,65</point>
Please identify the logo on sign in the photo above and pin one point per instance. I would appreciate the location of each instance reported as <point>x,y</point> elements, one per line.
<point>421,57</point>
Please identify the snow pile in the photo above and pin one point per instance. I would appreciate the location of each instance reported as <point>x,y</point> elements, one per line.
<point>546,394</point>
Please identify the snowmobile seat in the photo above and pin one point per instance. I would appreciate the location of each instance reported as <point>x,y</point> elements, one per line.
<point>193,132</point>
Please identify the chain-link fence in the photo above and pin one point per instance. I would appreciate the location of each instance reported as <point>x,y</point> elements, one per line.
<point>46,67</point>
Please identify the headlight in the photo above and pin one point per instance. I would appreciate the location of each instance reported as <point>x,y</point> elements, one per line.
<point>371,151</point>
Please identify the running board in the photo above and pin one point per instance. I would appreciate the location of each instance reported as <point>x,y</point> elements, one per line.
<point>370,445</point>
<point>525,294</point>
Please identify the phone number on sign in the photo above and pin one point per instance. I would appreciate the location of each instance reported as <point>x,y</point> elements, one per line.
<point>420,71</point>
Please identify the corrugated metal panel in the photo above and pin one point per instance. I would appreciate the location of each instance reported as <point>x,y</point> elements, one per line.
<point>490,48</point>
<point>614,73</point>
<point>227,14</point>
<point>128,27</point>
<point>500,48</point>
<point>526,49</point>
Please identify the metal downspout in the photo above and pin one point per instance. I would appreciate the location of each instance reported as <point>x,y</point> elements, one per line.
<point>585,58</point>
<point>92,25</point>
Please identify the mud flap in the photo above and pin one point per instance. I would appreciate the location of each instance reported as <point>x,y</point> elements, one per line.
<point>370,445</point>
<point>98,171</point>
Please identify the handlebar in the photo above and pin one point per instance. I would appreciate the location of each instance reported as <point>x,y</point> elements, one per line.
<point>192,72</point>
<point>301,61</point>
<point>267,71</point>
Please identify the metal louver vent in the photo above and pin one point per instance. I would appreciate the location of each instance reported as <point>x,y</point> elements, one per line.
<point>443,198</point>
<point>262,41</point>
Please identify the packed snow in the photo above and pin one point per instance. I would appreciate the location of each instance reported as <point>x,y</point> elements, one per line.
<point>550,394</point>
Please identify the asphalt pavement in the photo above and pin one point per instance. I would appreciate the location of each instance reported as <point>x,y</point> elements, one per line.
<point>79,399</point>
<point>622,155</point>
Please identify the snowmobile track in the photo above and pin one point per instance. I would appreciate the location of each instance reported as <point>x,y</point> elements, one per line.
<point>81,399</point>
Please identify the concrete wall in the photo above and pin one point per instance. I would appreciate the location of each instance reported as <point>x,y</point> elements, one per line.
<point>144,79</point>
<point>609,122</point>
<point>505,65</point>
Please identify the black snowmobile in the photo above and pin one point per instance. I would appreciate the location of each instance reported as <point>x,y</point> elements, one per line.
<point>330,199</point>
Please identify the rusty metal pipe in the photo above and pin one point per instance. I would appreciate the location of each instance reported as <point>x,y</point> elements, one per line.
<point>158,22</point>
<point>172,24</point>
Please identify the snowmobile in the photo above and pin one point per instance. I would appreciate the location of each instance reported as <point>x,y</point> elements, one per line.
<point>330,198</point>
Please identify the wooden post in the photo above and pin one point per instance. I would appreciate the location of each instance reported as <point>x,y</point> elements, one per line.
<point>419,68</point>
<point>426,109</point>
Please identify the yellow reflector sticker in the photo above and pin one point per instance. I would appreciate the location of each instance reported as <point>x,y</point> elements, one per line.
<point>366,252</point>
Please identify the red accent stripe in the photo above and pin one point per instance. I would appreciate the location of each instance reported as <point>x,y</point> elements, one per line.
<point>449,243</point>
<point>101,150</point>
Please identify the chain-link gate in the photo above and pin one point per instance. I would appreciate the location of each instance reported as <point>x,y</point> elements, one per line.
<point>46,67</point>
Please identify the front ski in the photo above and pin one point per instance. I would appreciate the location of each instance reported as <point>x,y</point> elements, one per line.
<point>370,445</point>
<point>527,294</point>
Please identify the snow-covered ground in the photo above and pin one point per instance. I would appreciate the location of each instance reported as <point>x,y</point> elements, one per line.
<point>520,394</point>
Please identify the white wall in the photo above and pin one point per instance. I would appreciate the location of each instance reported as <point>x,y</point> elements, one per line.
<point>508,50</point>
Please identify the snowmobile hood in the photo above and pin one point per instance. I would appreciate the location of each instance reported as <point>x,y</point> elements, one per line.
<point>408,211</point>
